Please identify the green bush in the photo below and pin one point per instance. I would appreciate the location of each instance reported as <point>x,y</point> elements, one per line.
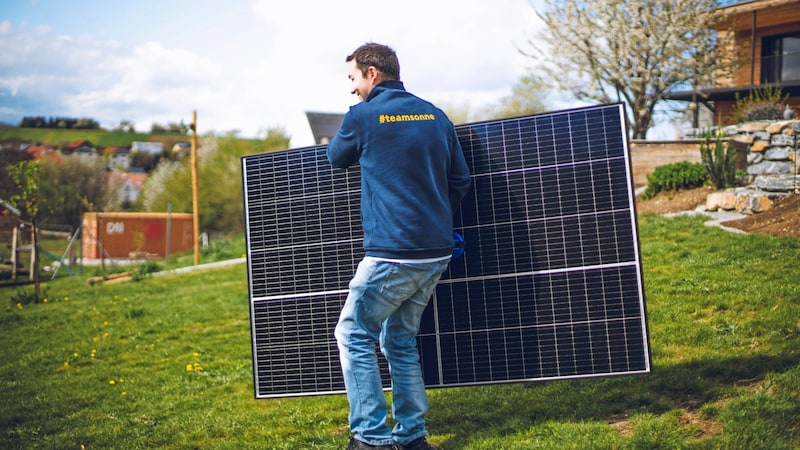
<point>23,297</point>
<point>144,270</point>
<point>218,250</point>
<point>674,176</point>
<point>719,159</point>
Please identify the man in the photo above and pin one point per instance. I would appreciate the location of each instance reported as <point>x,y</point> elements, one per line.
<point>413,176</point>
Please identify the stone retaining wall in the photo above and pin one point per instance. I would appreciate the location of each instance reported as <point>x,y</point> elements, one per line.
<point>772,152</point>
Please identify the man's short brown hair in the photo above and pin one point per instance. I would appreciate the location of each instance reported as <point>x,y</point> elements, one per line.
<point>380,56</point>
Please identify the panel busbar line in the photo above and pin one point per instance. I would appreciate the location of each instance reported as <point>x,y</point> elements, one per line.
<point>549,285</point>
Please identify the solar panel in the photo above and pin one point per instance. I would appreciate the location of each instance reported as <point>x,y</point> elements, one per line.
<point>549,285</point>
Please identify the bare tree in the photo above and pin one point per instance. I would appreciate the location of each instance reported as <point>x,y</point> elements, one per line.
<point>634,51</point>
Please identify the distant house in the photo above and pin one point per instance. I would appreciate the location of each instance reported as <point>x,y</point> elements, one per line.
<point>181,149</point>
<point>118,158</point>
<point>324,125</point>
<point>81,147</point>
<point>153,148</point>
<point>767,42</point>
<point>14,143</point>
<point>43,152</point>
<point>129,185</point>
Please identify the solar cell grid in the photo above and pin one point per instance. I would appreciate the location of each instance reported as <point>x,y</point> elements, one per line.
<point>549,285</point>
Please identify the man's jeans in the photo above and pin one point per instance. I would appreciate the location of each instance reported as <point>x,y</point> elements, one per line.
<point>385,304</point>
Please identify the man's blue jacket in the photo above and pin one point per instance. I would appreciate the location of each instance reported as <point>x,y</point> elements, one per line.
<point>413,172</point>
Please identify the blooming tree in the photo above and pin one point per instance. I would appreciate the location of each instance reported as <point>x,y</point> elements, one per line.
<point>635,51</point>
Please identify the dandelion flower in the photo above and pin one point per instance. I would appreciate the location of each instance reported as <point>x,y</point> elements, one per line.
<point>112,382</point>
<point>44,300</point>
<point>66,299</point>
<point>189,367</point>
<point>196,355</point>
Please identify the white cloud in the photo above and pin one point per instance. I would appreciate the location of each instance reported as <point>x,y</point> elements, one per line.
<point>284,59</point>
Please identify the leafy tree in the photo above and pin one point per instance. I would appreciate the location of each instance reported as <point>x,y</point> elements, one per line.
<point>10,157</point>
<point>147,161</point>
<point>178,128</point>
<point>634,51</point>
<point>125,125</point>
<point>170,128</point>
<point>458,113</point>
<point>219,181</point>
<point>527,97</point>
<point>74,186</point>
<point>26,176</point>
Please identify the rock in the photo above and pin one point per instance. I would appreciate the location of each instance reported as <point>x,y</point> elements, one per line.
<point>782,183</point>
<point>754,158</point>
<point>773,167</point>
<point>782,139</point>
<point>713,201</point>
<point>760,203</point>
<point>778,153</point>
<point>751,127</point>
<point>743,138</point>
<point>731,130</point>
<point>727,200</point>
<point>759,146</point>
<point>777,127</point>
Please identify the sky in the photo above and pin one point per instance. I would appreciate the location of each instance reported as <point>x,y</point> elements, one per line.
<point>248,65</point>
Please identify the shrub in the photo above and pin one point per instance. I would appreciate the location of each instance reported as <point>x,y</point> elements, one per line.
<point>762,111</point>
<point>218,250</point>
<point>144,270</point>
<point>674,176</point>
<point>763,103</point>
<point>23,297</point>
<point>719,160</point>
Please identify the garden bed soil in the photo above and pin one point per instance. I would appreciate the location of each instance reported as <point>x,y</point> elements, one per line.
<point>782,219</point>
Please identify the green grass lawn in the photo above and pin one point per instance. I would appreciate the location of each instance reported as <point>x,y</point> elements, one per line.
<point>166,363</point>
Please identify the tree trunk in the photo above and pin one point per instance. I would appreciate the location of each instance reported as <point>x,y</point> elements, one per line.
<point>35,260</point>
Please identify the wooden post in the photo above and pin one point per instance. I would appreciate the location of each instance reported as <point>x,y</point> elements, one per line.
<point>14,251</point>
<point>195,212</point>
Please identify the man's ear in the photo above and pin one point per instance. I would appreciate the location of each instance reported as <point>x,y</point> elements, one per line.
<point>374,75</point>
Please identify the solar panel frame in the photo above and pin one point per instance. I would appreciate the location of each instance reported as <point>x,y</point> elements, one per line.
<point>548,287</point>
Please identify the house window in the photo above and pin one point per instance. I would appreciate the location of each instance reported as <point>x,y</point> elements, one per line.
<point>780,58</point>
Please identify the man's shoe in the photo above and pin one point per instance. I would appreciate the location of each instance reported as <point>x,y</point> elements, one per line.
<point>416,444</point>
<point>355,444</point>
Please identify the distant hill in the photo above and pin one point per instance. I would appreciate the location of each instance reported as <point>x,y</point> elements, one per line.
<point>100,138</point>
